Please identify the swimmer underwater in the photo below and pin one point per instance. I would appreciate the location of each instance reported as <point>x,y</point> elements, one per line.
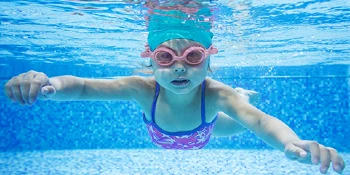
<point>182,107</point>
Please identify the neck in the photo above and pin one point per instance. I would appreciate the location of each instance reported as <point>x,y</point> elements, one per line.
<point>181,99</point>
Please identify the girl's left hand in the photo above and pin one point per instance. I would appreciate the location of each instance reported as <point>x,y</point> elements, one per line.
<point>311,152</point>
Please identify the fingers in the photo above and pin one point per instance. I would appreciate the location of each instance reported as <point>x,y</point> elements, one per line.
<point>35,87</point>
<point>47,92</point>
<point>320,154</point>
<point>337,161</point>
<point>323,155</point>
<point>25,87</point>
<point>328,155</point>
<point>8,91</point>
<point>25,84</point>
<point>248,96</point>
<point>314,149</point>
<point>251,92</point>
<point>15,89</point>
<point>295,153</point>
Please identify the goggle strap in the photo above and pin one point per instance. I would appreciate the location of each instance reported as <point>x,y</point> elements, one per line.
<point>147,53</point>
<point>212,50</point>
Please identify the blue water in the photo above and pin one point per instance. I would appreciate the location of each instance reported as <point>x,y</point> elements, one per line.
<point>295,54</point>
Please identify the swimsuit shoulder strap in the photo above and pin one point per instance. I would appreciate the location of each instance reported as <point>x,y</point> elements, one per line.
<point>203,102</point>
<point>154,104</point>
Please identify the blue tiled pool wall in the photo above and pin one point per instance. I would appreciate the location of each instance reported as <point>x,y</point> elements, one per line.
<point>314,102</point>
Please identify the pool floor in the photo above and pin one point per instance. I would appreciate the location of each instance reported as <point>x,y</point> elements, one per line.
<point>156,161</point>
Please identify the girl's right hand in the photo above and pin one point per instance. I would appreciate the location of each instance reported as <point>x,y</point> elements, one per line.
<point>27,87</point>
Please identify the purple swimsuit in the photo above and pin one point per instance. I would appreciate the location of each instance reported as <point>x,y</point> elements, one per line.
<point>186,140</point>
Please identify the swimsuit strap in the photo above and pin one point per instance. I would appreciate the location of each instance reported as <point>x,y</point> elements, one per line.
<point>203,102</point>
<point>154,104</point>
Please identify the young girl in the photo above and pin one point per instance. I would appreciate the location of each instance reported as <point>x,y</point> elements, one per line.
<point>182,107</point>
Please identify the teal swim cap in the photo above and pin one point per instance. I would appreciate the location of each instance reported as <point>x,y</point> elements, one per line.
<point>175,24</point>
<point>157,38</point>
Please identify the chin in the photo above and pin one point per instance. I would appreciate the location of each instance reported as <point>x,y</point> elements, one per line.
<point>181,91</point>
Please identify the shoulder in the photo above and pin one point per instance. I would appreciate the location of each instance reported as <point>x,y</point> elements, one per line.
<point>217,88</point>
<point>219,93</point>
<point>138,83</point>
<point>142,87</point>
<point>143,90</point>
<point>145,82</point>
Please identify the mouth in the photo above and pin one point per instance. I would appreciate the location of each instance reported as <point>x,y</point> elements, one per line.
<point>180,82</point>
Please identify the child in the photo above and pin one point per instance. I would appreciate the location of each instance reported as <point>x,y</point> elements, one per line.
<point>182,107</point>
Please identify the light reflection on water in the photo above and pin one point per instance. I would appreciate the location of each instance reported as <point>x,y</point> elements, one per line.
<point>248,33</point>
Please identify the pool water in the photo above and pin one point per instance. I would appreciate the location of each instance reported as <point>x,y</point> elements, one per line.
<point>294,54</point>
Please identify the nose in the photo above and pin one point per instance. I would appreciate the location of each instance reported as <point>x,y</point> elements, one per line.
<point>179,67</point>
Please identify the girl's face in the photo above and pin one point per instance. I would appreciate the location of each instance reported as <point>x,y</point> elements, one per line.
<point>180,77</point>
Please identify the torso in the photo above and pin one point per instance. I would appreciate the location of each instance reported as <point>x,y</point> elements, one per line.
<point>189,118</point>
<point>179,125</point>
<point>177,118</point>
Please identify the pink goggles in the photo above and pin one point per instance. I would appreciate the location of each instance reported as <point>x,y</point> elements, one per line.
<point>166,57</point>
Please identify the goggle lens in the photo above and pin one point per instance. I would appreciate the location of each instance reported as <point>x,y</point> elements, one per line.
<point>163,57</point>
<point>195,56</point>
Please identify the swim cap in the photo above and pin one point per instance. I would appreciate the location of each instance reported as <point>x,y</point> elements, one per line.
<point>175,24</point>
<point>202,37</point>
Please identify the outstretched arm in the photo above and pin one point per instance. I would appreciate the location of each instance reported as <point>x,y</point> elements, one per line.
<point>75,88</point>
<point>275,133</point>
<point>26,88</point>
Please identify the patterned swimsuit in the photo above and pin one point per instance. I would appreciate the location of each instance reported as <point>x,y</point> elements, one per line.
<point>186,140</point>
